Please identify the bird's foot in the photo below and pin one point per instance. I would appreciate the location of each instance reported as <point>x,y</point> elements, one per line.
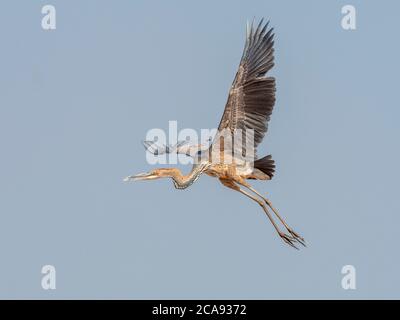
<point>297,237</point>
<point>288,239</point>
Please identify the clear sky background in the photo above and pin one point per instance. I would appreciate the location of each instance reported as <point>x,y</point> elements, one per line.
<point>75,103</point>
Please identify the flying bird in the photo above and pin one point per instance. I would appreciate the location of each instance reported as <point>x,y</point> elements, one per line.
<point>246,116</point>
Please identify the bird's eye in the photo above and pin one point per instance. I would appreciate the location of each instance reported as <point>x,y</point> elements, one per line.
<point>199,152</point>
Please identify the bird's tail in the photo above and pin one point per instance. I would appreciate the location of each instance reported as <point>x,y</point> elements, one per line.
<point>266,165</point>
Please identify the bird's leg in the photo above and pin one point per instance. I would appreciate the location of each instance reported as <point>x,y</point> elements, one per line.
<point>269,203</point>
<point>285,237</point>
<point>288,239</point>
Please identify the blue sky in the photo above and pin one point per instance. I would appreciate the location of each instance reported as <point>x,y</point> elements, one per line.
<point>77,101</point>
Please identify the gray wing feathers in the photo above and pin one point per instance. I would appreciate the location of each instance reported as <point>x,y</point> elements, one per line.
<point>252,95</point>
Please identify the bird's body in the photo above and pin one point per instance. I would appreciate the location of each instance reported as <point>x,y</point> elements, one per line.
<point>232,155</point>
<point>243,170</point>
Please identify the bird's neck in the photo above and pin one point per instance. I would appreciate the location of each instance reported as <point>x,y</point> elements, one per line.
<point>183,181</point>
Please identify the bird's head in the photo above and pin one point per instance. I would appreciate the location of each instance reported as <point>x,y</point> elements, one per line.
<point>151,175</point>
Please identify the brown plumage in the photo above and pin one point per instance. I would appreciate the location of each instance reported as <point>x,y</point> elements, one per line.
<point>232,155</point>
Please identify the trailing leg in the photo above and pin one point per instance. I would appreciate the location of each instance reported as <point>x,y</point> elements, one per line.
<point>269,203</point>
<point>285,237</point>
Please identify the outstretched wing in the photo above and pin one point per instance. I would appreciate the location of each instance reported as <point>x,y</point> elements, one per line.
<point>252,95</point>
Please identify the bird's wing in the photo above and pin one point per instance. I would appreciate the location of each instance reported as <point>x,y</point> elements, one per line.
<point>252,95</point>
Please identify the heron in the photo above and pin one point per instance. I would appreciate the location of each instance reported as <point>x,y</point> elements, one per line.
<point>248,109</point>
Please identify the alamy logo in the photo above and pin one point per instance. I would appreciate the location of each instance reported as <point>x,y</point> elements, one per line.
<point>186,146</point>
<point>349,279</point>
<point>49,278</point>
<point>349,18</point>
<point>49,20</point>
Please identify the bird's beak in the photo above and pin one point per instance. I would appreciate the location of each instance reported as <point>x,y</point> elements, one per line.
<point>141,176</point>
